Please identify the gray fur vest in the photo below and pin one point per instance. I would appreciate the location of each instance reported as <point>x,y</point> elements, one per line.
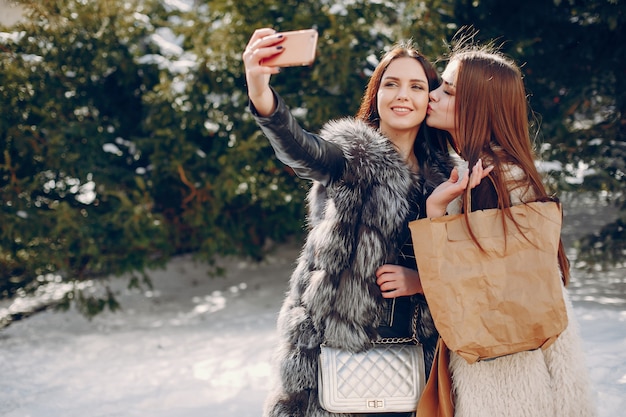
<point>354,225</point>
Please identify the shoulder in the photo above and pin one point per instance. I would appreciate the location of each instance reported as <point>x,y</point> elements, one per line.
<point>517,184</point>
<point>350,133</point>
<point>513,172</point>
<point>368,153</point>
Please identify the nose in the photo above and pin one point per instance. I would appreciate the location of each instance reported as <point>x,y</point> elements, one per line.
<point>403,93</point>
<point>434,95</point>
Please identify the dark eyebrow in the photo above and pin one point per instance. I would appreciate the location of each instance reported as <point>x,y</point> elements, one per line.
<point>414,80</point>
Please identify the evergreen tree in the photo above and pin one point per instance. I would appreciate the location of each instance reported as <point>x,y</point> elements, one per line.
<point>126,138</point>
<point>573,54</point>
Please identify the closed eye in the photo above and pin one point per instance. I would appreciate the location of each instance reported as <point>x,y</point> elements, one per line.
<point>449,88</point>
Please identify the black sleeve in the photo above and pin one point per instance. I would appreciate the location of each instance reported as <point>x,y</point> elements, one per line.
<point>309,155</point>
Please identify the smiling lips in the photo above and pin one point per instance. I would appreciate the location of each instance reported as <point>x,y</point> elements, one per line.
<point>402,110</point>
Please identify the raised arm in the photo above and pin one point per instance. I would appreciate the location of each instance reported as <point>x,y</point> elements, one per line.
<point>310,156</point>
<point>263,44</point>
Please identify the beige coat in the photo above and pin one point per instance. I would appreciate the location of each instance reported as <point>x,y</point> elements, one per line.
<point>540,383</point>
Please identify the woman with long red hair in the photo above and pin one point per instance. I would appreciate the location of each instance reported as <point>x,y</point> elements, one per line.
<point>483,104</point>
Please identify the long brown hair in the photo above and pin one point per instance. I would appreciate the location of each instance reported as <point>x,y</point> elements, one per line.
<point>427,138</point>
<point>492,116</point>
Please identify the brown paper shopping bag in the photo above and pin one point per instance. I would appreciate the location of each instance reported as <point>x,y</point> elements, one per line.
<point>504,300</point>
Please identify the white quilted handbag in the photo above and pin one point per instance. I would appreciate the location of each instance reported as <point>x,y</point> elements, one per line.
<point>389,377</point>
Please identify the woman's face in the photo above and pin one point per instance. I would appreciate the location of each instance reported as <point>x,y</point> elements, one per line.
<point>402,97</point>
<point>442,107</point>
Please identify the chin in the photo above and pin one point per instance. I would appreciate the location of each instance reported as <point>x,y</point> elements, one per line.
<point>431,123</point>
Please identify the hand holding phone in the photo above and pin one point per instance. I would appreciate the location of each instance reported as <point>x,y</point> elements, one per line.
<point>298,49</point>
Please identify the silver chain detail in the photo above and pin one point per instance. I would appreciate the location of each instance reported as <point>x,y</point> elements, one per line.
<point>397,340</point>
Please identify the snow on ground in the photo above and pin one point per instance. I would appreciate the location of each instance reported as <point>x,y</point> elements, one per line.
<point>201,346</point>
<point>197,346</point>
<point>604,336</point>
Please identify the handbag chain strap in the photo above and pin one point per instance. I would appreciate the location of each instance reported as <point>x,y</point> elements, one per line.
<point>398,340</point>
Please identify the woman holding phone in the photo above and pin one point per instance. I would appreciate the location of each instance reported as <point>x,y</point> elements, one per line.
<point>356,277</point>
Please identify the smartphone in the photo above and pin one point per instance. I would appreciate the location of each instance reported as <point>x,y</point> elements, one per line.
<point>299,49</point>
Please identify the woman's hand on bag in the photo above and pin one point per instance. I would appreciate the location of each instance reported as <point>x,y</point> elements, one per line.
<point>264,43</point>
<point>396,281</point>
<point>437,202</point>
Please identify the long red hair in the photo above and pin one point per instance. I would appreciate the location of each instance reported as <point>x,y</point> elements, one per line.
<point>492,116</point>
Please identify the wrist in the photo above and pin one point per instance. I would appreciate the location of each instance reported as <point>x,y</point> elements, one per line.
<point>434,210</point>
<point>264,103</point>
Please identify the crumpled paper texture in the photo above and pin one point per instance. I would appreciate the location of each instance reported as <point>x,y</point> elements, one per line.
<point>505,300</point>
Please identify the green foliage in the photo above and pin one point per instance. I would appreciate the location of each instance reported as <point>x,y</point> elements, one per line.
<point>71,100</point>
<point>573,54</point>
<point>605,248</point>
<point>121,147</point>
<point>125,137</point>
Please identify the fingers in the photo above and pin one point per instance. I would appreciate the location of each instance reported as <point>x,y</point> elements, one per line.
<point>391,288</point>
<point>463,181</point>
<point>383,269</point>
<point>398,288</point>
<point>257,38</point>
<point>478,173</point>
<point>263,44</point>
<point>261,33</point>
<point>458,182</point>
<point>397,281</point>
<point>390,294</point>
<point>454,175</point>
<point>386,278</point>
<point>444,193</point>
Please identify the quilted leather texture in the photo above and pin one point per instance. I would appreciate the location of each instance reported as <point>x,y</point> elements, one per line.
<point>387,378</point>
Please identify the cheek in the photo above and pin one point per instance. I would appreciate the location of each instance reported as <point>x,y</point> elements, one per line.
<point>380,98</point>
<point>450,110</point>
<point>423,100</point>
<point>421,105</point>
